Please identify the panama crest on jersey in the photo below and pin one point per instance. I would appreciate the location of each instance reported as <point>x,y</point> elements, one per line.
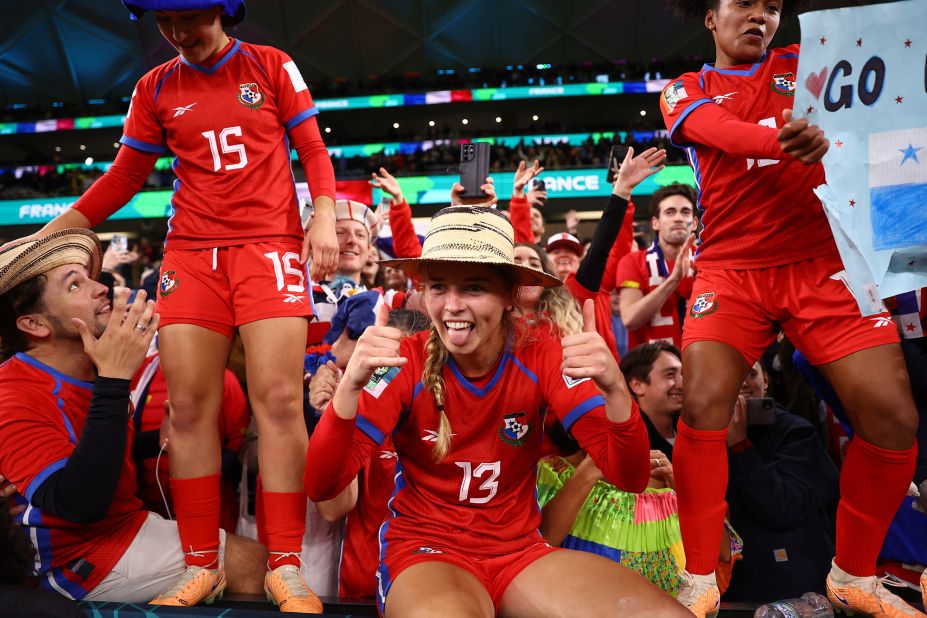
<point>704,304</point>
<point>250,96</point>
<point>168,283</point>
<point>783,83</point>
<point>514,428</point>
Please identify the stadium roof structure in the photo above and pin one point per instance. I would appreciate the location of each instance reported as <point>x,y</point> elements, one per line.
<point>81,50</point>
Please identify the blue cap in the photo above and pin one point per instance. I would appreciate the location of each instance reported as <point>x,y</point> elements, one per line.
<point>233,9</point>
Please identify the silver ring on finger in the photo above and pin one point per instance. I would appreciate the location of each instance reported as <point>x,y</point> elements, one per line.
<point>141,327</point>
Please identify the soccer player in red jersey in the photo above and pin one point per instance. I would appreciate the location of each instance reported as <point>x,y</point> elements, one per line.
<point>230,112</point>
<point>768,261</point>
<point>463,404</point>
<point>654,284</point>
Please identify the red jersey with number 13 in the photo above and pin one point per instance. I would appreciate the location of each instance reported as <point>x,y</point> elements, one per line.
<point>227,126</point>
<point>756,213</point>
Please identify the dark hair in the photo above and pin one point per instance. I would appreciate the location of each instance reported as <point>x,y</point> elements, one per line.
<point>16,562</point>
<point>696,9</point>
<point>22,299</point>
<point>676,188</point>
<point>546,265</point>
<point>638,362</point>
<point>408,320</point>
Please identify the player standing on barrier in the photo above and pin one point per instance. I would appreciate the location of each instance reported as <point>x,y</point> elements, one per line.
<point>768,261</point>
<point>229,111</point>
<point>464,404</point>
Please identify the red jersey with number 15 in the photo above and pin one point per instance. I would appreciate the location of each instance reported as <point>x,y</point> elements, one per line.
<point>756,213</point>
<point>227,126</point>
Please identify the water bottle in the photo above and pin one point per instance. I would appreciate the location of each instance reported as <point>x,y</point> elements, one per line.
<point>809,605</point>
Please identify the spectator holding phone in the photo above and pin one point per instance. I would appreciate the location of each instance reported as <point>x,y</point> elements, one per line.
<point>782,497</point>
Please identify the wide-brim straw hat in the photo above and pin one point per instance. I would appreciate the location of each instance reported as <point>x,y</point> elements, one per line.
<point>26,259</point>
<point>472,235</point>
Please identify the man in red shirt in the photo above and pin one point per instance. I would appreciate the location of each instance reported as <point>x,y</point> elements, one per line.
<point>655,284</point>
<point>65,432</point>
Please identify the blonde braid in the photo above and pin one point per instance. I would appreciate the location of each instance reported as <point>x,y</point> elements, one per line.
<point>435,359</point>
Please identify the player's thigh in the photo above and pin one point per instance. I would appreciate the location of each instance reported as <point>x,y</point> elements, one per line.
<point>437,588</point>
<point>573,583</point>
<point>267,281</point>
<point>193,359</point>
<point>712,373</point>
<point>874,389</point>
<point>153,561</point>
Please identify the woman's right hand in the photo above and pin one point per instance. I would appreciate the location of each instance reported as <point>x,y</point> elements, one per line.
<point>377,347</point>
<point>801,140</point>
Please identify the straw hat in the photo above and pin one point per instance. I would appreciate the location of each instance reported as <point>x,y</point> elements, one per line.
<point>472,234</point>
<point>27,259</point>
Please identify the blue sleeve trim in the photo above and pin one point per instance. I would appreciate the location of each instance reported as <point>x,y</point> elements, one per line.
<point>42,476</point>
<point>524,369</point>
<point>298,118</point>
<point>143,146</point>
<point>370,430</point>
<point>577,412</point>
<point>684,115</point>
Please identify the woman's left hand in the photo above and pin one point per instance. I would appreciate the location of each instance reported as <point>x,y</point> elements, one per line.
<point>586,355</point>
<point>802,140</point>
<point>487,187</point>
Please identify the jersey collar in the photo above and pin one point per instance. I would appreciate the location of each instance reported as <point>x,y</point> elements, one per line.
<point>479,392</point>
<point>744,72</point>
<point>218,65</point>
<point>52,371</point>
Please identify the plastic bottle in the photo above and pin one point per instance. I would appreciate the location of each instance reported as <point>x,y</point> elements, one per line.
<point>809,605</point>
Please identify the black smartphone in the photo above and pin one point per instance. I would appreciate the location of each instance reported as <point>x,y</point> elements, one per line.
<point>538,184</point>
<point>615,157</point>
<point>761,410</point>
<point>474,168</point>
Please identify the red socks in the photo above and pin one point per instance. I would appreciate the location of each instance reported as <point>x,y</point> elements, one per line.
<point>196,503</point>
<point>873,483</point>
<point>284,525</point>
<point>700,468</point>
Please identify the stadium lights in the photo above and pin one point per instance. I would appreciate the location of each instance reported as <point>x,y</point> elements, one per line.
<point>328,129</point>
<point>395,125</point>
<point>115,144</point>
<point>498,119</point>
<point>534,118</point>
<point>643,112</point>
<point>57,148</point>
<point>88,161</point>
<point>431,123</point>
<point>465,121</point>
<point>83,147</point>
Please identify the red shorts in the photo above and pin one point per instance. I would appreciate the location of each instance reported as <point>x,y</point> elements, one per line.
<point>808,301</point>
<point>223,288</point>
<point>494,572</point>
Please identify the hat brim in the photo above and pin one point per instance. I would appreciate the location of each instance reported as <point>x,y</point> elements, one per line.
<point>566,244</point>
<point>524,275</point>
<point>24,260</point>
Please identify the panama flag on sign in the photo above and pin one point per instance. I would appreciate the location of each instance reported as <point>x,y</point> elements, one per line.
<point>898,188</point>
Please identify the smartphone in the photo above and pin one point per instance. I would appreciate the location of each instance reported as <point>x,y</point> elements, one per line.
<point>120,243</point>
<point>538,184</point>
<point>615,157</point>
<point>761,410</point>
<point>474,168</point>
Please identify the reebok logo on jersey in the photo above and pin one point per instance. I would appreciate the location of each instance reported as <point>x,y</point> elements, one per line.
<point>432,436</point>
<point>183,109</point>
<point>723,97</point>
<point>292,298</point>
<point>881,322</point>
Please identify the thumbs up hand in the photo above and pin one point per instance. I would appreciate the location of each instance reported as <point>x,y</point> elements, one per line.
<point>377,347</point>
<point>586,355</point>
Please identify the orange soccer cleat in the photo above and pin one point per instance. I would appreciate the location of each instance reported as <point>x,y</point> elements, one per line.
<point>865,595</point>
<point>196,585</point>
<point>285,588</point>
<point>700,594</point>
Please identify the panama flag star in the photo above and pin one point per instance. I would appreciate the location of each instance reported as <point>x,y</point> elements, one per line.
<point>910,153</point>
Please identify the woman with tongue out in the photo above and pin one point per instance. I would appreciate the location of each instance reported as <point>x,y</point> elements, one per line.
<point>464,404</point>
<point>767,261</point>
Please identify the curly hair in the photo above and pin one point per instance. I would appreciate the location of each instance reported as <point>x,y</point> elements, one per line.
<point>675,188</point>
<point>696,9</point>
<point>17,560</point>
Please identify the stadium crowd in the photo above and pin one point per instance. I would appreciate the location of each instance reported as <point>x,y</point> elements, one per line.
<point>489,420</point>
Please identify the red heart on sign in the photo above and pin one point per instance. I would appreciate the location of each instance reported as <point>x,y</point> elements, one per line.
<point>815,82</point>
